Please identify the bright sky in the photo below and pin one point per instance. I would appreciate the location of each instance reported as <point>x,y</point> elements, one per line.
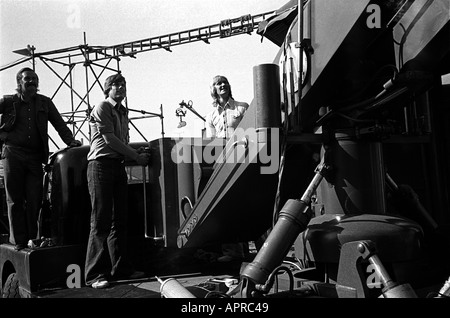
<point>154,78</point>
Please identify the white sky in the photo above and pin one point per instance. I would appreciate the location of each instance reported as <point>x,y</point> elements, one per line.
<point>154,78</point>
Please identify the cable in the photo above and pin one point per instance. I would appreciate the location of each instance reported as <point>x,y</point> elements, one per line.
<point>270,280</point>
<point>293,264</point>
<point>183,201</point>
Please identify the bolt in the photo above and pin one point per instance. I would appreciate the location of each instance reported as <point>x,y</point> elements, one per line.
<point>361,248</point>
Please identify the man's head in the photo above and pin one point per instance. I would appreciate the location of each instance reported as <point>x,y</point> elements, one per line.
<point>115,87</point>
<point>27,82</point>
<point>220,87</point>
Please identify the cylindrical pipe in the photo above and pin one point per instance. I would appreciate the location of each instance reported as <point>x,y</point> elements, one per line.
<point>171,288</point>
<point>144,190</point>
<point>266,85</point>
<point>391,289</point>
<point>291,222</point>
<point>185,173</point>
<point>411,203</point>
<point>312,186</point>
<point>293,219</point>
<point>381,272</point>
<point>445,290</point>
<point>400,291</point>
<point>300,61</point>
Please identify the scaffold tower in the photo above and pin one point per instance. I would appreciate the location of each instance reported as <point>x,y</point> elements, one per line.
<point>98,59</point>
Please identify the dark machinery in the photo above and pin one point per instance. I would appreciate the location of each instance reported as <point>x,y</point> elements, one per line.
<point>352,115</point>
<point>366,95</point>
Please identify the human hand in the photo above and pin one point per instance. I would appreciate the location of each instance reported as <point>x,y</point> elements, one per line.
<point>143,149</point>
<point>75,143</point>
<point>143,159</point>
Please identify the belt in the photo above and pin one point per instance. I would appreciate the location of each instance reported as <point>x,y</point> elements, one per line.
<point>109,159</point>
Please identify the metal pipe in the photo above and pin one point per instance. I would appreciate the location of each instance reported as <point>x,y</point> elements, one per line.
<point>391,289</point>
<point>162,122</point>
<point>144,181</point>
<point>171,288</point>
<point>386,280</point>
<point>300,57</point>
<point>86,63</point>
<point>293,219</point>
<point>266,88</point>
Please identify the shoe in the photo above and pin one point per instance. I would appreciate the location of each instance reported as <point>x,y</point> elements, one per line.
<point>100,283</point>
<point>136,275</point>
<point>19,247</point>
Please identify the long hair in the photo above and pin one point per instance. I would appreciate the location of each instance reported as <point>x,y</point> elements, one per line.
<point>19,78</point>
<point>214,95</point>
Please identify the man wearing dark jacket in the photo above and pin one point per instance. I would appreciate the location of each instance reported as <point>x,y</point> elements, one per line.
<point>24,135</point>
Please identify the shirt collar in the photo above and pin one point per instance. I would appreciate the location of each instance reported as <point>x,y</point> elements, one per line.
<point>20,98</point>
<point>230,104</point>
<point>115,104</point>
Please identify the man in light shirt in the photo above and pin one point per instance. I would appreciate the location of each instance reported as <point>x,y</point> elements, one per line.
<point>221,123</point>
<point>227,114</point>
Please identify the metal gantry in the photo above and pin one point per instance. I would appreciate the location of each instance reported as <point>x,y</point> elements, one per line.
<point>97,59</point>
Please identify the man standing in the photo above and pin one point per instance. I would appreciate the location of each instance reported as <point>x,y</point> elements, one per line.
<point>227,113</point>
<point>107,182</point>
<point>24,134</point>
<point>221,122</point>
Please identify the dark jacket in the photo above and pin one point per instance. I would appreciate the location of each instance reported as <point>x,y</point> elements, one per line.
<point>45,112</point>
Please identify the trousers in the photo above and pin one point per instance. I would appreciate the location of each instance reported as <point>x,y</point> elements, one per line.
<point>107,243</point>
<point>23,177</point>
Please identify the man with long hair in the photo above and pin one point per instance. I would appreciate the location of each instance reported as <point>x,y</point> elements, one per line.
<point>221,123</point>
<point>24,135</point>
<point>227,112</point>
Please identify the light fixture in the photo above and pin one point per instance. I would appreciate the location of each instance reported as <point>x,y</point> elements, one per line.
<point>182,123</point>
<point>180,112</point>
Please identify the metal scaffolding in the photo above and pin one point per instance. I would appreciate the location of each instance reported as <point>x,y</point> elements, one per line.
<point>97,59</point>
